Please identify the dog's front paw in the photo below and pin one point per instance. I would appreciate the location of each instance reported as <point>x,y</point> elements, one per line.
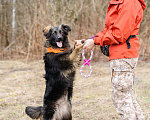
<point>78,48</point>
<point>76,55</point>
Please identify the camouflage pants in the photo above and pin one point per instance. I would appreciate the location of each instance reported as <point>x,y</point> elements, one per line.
<point>122,85</point>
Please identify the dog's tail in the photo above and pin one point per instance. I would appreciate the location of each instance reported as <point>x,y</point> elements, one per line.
<point>34,112</point>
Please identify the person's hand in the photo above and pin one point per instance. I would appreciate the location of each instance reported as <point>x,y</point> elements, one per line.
<point>89,44</point>
<point>77,43</point>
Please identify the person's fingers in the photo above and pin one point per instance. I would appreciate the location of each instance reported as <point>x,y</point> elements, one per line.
<point>88,45</point>
<point>75,46</point>
<point>85,47</point>
<point>88,49</point>
<point>77,43</point>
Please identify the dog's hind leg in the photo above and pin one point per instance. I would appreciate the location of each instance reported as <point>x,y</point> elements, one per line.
<point>34,112</point>
<point>41,118</point>
<point>63,109</point>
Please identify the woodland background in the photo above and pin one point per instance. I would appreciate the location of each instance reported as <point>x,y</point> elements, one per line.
<point>22,40</point>
<point>22,22</point>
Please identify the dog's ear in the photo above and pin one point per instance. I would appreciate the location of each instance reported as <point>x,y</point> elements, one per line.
<point>65,28</point>
<point>47,31</point>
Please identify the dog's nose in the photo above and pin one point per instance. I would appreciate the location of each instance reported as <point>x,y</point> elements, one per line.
<point>59,38</point>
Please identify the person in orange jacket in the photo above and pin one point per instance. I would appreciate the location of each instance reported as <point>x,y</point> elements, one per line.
<point>122,24</point>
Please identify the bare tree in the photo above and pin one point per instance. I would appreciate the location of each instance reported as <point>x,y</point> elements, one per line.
<point>22,21</point>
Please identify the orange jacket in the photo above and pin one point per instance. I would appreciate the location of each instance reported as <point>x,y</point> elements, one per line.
<point>123,19</point>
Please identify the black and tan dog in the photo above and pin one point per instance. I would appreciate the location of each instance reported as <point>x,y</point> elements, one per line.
<point>60,64</point>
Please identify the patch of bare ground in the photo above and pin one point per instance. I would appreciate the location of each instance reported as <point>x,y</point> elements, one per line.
<point>23,84</point>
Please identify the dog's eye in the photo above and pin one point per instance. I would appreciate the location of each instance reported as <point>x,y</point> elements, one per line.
<point>60,31</point>
<point>55,32</point>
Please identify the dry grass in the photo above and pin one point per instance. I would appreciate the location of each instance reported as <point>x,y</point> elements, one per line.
<point>23,84</point>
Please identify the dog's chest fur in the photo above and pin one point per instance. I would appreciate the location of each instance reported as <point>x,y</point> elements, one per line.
<point>59,75</point>
<point>57,63</point>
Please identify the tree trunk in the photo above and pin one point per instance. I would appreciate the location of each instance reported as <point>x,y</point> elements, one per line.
<point>13,20</point>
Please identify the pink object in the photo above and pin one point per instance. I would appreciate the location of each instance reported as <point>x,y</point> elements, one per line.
<point>87,62</point>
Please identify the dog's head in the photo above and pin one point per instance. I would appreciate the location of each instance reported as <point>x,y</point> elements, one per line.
<point>56,37</point>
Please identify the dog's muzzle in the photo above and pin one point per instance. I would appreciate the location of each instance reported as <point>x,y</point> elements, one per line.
<point>58,39</point>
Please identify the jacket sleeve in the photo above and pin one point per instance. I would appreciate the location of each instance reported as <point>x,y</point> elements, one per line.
<point>122,27</point>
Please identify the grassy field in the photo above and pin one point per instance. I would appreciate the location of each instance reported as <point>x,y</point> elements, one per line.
<point>23,84</point>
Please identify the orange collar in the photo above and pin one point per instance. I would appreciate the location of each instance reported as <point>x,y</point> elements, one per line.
<point>49,49</point>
